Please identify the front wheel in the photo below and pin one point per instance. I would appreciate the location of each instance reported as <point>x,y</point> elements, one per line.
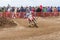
<point>35,24</point>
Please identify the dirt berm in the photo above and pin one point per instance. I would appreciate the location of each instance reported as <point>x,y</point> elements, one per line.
<point>5,22</point>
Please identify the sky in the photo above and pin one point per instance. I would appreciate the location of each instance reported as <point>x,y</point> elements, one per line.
<point>18,3</point>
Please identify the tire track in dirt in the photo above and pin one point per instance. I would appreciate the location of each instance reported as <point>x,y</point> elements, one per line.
<point>18,25</point>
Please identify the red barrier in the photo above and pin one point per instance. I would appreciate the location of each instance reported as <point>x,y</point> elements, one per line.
<point>56,14</point>
<point>1,14</point>
<point>22,14</point>
<point>8,14</point>
<point>44,14</point>
<point>5,14</point>
<point>38,13</point>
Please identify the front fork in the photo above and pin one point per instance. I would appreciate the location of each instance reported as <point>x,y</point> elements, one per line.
<point>33,22</point>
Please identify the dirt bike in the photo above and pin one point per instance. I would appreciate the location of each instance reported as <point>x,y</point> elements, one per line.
<point>32,23</point>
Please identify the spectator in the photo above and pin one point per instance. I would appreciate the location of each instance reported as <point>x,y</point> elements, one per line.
<point>44,9</point>
<point>18,10</point>
<point>58,9</point>
<point>54,9</point>
<point>49,9</point>
<point>22,9</point>
<point>12,9</point>
<point>30,8</point>
<point>38,10</point>
<point>33,9</point>
<point>41,7</point>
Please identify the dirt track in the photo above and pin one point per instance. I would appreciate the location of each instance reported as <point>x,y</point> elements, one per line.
<point>49,29</point>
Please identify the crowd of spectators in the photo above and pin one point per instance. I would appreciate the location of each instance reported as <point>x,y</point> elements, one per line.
<point>34,9</point>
